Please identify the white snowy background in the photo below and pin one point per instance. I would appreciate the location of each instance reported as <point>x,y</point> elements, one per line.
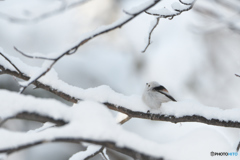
<point>193,56</point>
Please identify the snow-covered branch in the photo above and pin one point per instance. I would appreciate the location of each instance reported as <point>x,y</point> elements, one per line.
<point>130,105</point>
<point>125,150</point>
<point>101,128</point>
<point>165,13</point>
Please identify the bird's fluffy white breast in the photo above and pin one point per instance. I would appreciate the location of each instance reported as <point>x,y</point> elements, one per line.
<point>154,99</point>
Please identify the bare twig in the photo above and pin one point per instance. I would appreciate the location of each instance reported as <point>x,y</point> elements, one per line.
<point>11,63</point>
<point>40,75</point>
<point>150,34</point>
<point>125,120</point>
<point>103,155</point>
<point>33,57</point>
<point>170,16</point>
<point>74,49</point>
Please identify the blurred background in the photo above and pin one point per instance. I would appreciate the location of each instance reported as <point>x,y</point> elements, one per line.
<point>194,55</point>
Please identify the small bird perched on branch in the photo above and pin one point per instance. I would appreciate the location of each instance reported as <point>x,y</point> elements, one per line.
<point>155,94</point>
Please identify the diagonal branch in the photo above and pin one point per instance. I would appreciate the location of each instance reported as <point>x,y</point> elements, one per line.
<point>38,84</point>
<point>86,39</point>
<point>11,63</point>
<point>94,154</point>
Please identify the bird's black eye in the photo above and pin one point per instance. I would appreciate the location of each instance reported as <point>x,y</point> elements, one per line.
<point>149,85</point>
<point>146,83</point>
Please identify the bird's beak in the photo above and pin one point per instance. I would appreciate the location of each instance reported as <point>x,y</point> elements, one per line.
<point>146,83</point>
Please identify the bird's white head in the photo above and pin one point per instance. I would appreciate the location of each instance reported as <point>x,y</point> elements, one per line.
<point>155,85</point>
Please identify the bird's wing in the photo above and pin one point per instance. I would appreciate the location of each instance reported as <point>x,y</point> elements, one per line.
<point>168,95</point>
<point>161,90</point>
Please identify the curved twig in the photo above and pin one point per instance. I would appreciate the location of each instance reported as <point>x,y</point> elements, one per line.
<point>170,16</point>
<point>33,57</point>
<point>150,34</point>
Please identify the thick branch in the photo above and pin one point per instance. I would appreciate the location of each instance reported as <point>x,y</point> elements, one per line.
<point>128,151</point>
<point>39,85</point>
<point>171,118</point>
<point>130,113</point>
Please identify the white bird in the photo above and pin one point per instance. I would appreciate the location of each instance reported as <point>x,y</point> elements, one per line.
<point>155,94</point>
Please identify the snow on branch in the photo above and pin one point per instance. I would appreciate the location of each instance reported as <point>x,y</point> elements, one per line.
<point>165,13</point>
<point>101,128</point>
<point>91,151</point>
<point>63,7</point>
<point>102,30</point>
<point>182,111</point>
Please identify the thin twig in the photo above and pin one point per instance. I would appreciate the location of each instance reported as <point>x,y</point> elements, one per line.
<point>11,63</point>
<point>103,155</point>
<point>74,48</point>
<point>170,16</point>
<point>40,75</point>
<point>33,57</point>
<point>150,34</point>
<point>94,154</point>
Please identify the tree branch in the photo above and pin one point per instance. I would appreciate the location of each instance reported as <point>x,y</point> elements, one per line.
<point>94,154</point>
<point>130,113</point>
<point>11,63</point>
<point>170,16</point>
<point>127,151</point>
<point>173,119</point>
<point>85,40</point>
<point>150,35</point>
<point>174,14</point>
